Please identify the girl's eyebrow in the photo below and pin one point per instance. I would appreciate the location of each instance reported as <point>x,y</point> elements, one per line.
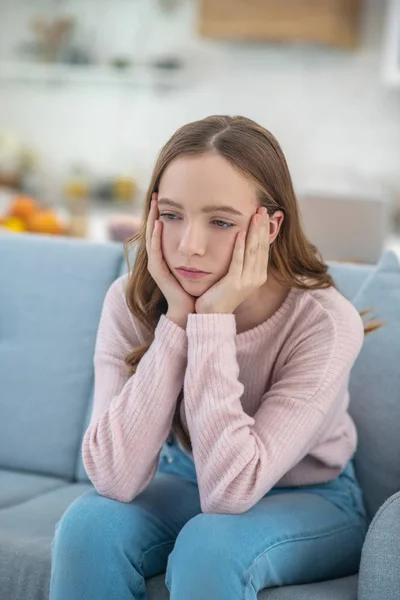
<point>205,209</point>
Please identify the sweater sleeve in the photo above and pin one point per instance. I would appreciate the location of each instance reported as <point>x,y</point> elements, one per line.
<point>132,415</point>
<point>239,458</point>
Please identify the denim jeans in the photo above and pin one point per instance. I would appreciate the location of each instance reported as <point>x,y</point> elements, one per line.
<point>104,549</point>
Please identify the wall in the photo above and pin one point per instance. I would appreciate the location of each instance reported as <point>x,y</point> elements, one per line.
<point>336,121</point>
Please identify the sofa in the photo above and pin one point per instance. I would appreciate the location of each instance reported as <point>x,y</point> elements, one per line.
<point>51,295</point>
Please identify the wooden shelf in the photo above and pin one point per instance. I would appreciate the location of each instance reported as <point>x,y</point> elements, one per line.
<point>329,22</point>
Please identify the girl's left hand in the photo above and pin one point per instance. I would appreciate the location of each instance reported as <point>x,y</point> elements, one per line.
<point>247,271</point>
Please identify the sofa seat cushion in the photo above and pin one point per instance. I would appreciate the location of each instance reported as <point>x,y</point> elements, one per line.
<point>344,588</point>
<point>335,589</point>
<point>26,533</point>
<point>17,487</point>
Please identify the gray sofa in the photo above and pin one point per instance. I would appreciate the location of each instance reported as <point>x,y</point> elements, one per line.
<point>51,294</point>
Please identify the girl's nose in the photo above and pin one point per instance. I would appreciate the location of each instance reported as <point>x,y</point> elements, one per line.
<point>193,241</point>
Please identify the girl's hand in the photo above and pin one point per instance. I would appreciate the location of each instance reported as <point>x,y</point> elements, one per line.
<point>247,272</point>
<point>180,303</point>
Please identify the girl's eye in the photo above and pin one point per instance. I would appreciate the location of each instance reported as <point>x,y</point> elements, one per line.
<point>169,216</point>
<point>217,222</point>
<point>222,224</point>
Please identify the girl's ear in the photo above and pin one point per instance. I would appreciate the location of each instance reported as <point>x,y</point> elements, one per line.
<point>275,223</point>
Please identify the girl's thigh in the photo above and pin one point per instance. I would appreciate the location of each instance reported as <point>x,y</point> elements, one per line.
<point>143,530</point>
<point>289,537</point>
<point>304,537</point>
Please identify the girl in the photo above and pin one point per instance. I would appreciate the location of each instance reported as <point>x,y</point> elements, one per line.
<point>220,445</point>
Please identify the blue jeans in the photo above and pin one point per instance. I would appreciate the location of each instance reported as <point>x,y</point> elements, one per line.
<point>104,549</point>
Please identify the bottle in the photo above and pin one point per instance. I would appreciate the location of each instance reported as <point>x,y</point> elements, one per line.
<point>76,191</point>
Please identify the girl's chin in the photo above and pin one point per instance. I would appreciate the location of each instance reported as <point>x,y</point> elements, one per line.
<point>195,288</point>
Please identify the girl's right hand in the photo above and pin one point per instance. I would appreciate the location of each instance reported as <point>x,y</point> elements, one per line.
<point>180,303</point>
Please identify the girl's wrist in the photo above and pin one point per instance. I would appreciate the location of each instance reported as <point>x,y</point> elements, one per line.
<point>178,319</point>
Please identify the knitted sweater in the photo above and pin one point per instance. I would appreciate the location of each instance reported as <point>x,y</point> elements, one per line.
<point>266,407</point>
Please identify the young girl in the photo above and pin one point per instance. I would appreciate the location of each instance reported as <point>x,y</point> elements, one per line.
<point>220,445</point>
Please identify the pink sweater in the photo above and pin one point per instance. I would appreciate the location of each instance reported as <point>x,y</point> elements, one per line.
<point>264,408</point>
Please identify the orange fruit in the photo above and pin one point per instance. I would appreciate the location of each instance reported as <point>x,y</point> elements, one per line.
<point>23,207</point>
<point>45,221</point>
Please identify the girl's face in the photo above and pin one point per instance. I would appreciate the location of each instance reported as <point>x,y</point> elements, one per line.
<point>203,203</point>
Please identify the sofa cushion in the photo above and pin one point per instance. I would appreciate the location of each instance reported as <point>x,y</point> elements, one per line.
<point>26,533</point>
<point>379,569</point>
<point>375,387</point>
<point>349,277</point>
<point>51,295</point>
<point>334,589</point>
<point>17,487</point>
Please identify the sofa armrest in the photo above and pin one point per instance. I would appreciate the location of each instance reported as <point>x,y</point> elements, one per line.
<point>380,560</point>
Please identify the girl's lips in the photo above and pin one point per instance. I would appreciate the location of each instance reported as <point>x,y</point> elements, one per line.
<point>191,274</point>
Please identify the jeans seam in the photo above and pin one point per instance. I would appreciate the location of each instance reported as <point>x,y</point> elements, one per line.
<point>296,539</point>
<point>154,547</point>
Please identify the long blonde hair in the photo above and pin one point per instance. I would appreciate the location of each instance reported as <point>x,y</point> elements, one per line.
<point>255,152</point>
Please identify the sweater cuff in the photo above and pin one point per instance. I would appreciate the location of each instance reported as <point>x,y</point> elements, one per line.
<point>215,327</point>
<point>171,335</point>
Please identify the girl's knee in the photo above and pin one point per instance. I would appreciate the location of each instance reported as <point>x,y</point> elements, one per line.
<point>86,525</point>
<point>200,543</point>
<point>90,556</point>
<point>202,562</point>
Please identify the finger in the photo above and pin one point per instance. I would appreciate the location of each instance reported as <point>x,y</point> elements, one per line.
<point>153,213</point>
<point>158,265</point>
<point>156,239</point>
<point>155,250</point>
<point>150,225</point>
<point>252,244</point>
<point>236,266</point>
<point>263,253</point>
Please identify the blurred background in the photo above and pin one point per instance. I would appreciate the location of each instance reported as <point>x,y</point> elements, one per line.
<point>91,89</point>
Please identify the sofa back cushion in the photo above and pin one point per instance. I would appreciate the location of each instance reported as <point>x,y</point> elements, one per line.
<point>375,387</point>
<point>51,295</point>
<point>349,277</point>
